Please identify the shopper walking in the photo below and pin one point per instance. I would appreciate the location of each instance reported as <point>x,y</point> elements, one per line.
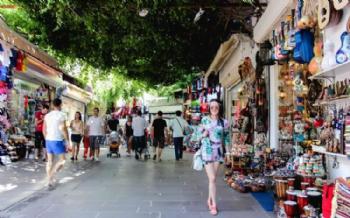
<point>113,123</point>
<point>96,129</point>
<point>178,125</point>
<point>55,132</point>
<point>158,130</point>
<point>215,136</point>
<point>40,150</point>
<point>139,125</point>
<point>128,134</point>
<point>77,127</point>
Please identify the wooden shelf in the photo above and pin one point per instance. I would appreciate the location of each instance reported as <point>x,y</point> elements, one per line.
<point>332,72</point>
<point>322,150</point>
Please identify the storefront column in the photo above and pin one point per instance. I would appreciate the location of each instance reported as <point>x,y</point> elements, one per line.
<point>274,130</point>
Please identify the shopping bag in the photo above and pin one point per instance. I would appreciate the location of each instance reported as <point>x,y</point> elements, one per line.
<point>197,161</point>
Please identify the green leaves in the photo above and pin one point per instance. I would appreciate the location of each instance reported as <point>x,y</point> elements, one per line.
<point>112,42</point>
<point>110,33</point>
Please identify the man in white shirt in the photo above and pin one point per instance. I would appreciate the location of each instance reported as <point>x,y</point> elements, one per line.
<point>178,125</point>
<point>139,125</point>
<point>55,132</point>
<point>96,128</point>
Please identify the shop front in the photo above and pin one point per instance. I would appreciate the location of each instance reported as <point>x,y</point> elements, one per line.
<point>309,107</point>
<point>198,95</point>
<point>33,87</point>
<point>246,107</point>
<point>29,78</point>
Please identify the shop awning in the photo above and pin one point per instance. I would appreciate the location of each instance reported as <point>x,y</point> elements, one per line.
<point>15,39</point>
<point>223,53</point>
<point>77,93</point>
<point>32,75</point>
<point>38,72</point>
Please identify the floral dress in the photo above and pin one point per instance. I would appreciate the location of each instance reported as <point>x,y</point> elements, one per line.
<point>218,133</point>
<point>195,137</point>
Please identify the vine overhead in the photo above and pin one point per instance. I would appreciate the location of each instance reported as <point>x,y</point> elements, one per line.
<point>157,41</point>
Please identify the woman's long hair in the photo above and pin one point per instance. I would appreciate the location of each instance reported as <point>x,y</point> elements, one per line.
<point>79,115</point>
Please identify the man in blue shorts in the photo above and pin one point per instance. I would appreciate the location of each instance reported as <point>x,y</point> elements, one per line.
<point>56,139</point>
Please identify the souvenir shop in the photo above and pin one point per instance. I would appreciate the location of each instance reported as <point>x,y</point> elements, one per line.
<point>198,95</point>
<point>246,108</point>
<point>26,83</point>
<point>304,57</point>
<point>33,87</point>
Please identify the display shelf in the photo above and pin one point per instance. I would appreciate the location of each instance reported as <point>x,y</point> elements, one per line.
<point>331,72</point>
<point>322,150</point>
<point>333,101</point>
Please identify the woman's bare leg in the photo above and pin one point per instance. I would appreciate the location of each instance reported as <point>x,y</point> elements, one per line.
<point>210,170</point>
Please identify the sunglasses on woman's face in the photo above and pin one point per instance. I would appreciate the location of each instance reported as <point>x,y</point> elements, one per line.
<point>214,107</point>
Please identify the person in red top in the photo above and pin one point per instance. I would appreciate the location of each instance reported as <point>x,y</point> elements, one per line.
<point>40,150</point>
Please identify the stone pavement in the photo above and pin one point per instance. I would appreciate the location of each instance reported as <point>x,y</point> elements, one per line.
<point>122,187</point>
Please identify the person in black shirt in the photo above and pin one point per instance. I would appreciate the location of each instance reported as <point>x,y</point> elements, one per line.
<point>158,130</point>
<point>113,123</point>
<point>128,134</point>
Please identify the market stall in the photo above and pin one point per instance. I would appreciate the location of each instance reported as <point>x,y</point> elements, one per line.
<point>311,97</point>
<point>29,78</point>
<point>245,107</point>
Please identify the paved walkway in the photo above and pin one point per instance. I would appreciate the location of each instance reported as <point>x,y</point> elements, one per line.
<point>122,188</point>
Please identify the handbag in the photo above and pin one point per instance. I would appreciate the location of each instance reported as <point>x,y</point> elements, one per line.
<point>198,161</point>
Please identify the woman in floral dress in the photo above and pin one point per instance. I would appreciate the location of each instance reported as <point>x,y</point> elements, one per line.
<point>215,137</point>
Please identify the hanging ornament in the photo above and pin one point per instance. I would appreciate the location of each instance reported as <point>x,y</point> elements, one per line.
<point>144,12</point>
<point>198,15</point>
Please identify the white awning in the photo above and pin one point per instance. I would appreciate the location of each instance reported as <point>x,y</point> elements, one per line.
<point>224,52</point>
<point>21,43</point>
<point>32,75</point>
<point>77,93</point>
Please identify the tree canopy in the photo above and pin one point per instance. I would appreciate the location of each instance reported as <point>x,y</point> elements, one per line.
<point>121,52</point>
<point>159,48</point>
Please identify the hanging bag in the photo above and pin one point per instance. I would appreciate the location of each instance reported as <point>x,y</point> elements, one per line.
<point>198,161</point>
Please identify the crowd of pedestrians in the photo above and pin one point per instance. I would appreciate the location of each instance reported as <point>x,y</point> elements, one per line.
<point>209,135</point>
<point>137,134</point>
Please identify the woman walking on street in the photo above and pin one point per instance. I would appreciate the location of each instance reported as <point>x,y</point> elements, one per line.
<point>128,134</point>
<point>215,136</point>
<point>77,128</point>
